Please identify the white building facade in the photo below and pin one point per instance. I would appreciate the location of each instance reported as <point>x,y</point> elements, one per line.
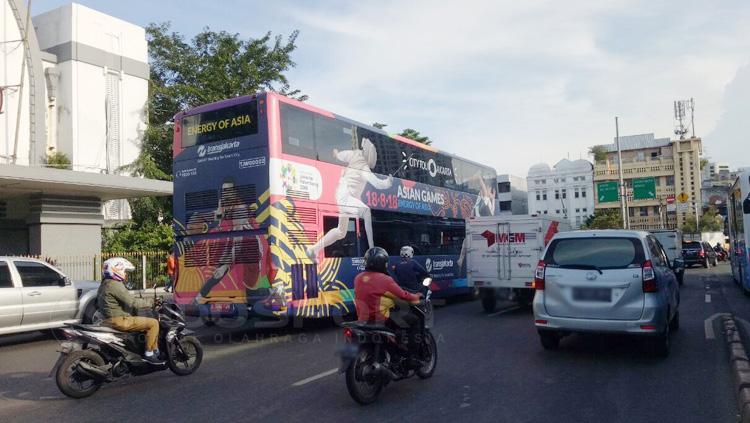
<point>72,81</point>
<point>565,190</point>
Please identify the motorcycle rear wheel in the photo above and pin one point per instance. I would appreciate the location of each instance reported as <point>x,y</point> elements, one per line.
<point>71,382</point>
<point>185,360</point>
<point>431,356</point>
<point>362,391</point>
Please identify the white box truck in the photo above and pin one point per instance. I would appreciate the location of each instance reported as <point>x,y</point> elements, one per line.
<point>503,253</point>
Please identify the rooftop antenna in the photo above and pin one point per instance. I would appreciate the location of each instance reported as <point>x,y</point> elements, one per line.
<point>681,108</point>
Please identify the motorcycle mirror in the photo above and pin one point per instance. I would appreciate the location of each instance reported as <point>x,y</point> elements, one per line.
<point>427,281</point>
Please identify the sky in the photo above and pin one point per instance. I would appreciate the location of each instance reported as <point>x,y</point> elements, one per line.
<point>505,83</point>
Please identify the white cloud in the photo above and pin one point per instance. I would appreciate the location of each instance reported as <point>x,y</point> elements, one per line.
<point>512,83</point>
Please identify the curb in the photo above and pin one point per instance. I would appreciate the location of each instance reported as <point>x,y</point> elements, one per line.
<point>740,364</point>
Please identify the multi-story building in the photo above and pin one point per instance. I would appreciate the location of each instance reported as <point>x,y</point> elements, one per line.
<point>566,190</point>
<point>512,195</point>
<point>715,171</point>
<point>674,166</point>
<point>72,81</point>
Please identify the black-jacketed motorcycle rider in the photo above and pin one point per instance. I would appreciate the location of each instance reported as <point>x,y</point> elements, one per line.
<point>408,273</point>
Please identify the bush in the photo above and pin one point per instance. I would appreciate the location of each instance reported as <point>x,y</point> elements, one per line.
<point>58,160</point>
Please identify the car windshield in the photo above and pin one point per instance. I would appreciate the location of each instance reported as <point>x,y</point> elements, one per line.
<point>595,253</point>
<point>691,244</point>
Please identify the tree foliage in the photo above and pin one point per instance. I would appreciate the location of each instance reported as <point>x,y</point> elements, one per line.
<point>413,134</point>
<point>711,221</point>
<point>159,237</point>
<point>212,66</point>
<point>58,160</point>
<point>604,219</point>
<point>599,152</point>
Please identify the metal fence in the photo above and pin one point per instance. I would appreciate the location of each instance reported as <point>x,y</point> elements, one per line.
<point>150,267</point>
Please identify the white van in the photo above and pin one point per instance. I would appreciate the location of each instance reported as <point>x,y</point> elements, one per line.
<point>503,253</point>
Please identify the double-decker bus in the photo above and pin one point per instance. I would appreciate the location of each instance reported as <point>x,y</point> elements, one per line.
<point>739,229</point>
<point>276,202</point>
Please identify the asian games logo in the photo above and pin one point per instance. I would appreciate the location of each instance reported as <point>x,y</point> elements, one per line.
<point>428,264</point>
<point>201,150</point>
<point>288,176</point>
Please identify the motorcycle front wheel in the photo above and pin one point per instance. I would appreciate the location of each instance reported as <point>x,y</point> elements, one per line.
<point>73,383</point>
<point>185,355</point>
<point>361,389</point>
<point>429,355</point>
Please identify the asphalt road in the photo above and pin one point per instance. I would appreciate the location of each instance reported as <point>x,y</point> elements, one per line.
<point>490,368</point>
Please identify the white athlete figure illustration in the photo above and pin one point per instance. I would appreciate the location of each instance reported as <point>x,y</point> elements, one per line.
<point>358,173</point>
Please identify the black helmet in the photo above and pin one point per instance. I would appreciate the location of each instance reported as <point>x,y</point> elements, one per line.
<point>376,260</point>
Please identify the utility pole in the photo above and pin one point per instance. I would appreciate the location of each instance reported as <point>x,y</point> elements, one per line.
<point>623,208</point>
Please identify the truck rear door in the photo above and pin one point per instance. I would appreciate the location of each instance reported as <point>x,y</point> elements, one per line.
<point>518,250</point>
<point>482,268</point>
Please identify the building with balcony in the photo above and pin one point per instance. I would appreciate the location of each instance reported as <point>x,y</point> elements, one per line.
<point>565,190</point>
<point>512,195</point>
<point>674,166</point>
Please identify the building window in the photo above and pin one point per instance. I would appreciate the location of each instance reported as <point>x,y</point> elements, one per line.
<point>557,194</point>
<point>562,180</point>
<point>656,211</point>
<point>503,187</point>
<point>545,212</point>
<point>585,210</point>
<point>578,210</point>
<point>644,211</point>
<point>583,192</point>
<point>505,206</point>
<point>564,193</point>
<point>577,193</point>
<point>557,211</point>
<point>631,211</point>
<point>538,196</point>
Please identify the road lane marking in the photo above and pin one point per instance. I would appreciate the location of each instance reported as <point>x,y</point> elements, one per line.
<point>509,309</point>
<point>316,377</point>
<point>708,298</point>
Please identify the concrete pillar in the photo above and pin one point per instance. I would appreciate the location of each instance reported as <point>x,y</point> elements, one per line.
<point>64,226</point>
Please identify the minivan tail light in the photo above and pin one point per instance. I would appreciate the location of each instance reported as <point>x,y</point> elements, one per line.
<point>702,253</point>
<point>649,277</point>
<point>539,276</point>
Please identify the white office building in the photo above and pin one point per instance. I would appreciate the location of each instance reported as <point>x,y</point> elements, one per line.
<point>74,81</point>
<point>565,190</point>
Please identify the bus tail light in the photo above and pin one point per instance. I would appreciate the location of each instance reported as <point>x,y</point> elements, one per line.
<point>649,277</point>
<point>539,276</point>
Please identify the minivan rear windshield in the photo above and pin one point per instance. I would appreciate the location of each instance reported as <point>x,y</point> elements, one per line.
<point>603,253</point>
<point>691,244</point>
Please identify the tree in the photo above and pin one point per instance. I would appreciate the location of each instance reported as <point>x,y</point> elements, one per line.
<point>599,152</point>
<point>689,226</point>
<point>212,66</point>
<point>704,162</point>
<point>711,221</point>
<point>604,219</point>
<point>58,160</point>
<point>413,134</point>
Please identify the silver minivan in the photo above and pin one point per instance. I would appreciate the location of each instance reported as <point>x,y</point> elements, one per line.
<point>606,281</point>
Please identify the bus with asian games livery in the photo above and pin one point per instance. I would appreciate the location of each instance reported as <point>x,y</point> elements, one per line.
<point>276,202</point>
<point>738,219</point>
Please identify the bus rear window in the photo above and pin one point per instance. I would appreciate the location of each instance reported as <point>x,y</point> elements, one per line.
<point>220,125</point>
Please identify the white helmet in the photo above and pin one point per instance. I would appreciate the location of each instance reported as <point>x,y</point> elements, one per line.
<point>116,268</point>
<point>407,252</point>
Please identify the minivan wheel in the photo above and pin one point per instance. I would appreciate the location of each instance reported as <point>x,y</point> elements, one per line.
<point>660,344</point>
<point>550,340</point>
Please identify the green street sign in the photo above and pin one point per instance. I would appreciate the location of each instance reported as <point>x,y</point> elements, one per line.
<point>606,192</point>
<point>644,189</point>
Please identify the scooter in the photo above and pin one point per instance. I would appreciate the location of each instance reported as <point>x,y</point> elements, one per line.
<point>373,356</point>
<point>94,355</point>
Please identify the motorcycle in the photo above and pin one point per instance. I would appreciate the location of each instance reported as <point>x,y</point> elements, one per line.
<point>94,355</point>
<point>372,355</point>
<point>721,254</point>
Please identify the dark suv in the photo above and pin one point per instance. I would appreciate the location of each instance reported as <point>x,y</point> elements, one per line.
<point>698,252</point>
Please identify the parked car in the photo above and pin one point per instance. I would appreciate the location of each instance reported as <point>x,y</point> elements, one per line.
<point>671,241</point>
<point>698,252</point>
<point>34,295</point>
<point>606,281</point>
